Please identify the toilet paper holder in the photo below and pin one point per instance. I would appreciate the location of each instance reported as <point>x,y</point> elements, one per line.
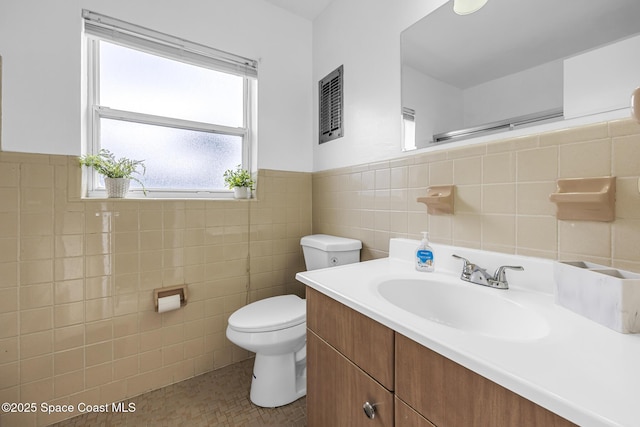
<point>168,291</point>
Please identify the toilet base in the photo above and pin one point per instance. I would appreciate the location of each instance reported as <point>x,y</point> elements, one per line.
<point>278,379</point>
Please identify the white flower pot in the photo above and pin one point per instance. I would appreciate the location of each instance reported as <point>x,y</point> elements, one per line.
<point>117,187</point>
<point>241,192</point>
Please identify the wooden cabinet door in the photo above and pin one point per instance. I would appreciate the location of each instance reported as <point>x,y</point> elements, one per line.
<point>362,340</point>
<point>407,417</point>
<point>450,395</point>
<point>337,390</point>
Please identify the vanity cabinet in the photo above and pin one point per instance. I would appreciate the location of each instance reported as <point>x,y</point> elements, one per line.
<point>406,416</point>
<point>448,394</point>
<point>352,359</point>
<point>349,362</point>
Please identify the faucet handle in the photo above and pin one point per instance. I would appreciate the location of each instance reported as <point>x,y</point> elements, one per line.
<point>501,275</point>
<point>466,261</point>
<point>467,266</point>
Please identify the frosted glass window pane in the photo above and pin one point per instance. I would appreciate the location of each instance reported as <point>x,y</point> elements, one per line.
<point>135,81</point>
<point>176,159</point>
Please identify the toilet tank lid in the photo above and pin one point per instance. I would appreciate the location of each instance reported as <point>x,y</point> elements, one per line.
<point>328,243</point>
<point>270,314</point>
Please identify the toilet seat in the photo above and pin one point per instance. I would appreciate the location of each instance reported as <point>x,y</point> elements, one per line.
<point>270,314</point>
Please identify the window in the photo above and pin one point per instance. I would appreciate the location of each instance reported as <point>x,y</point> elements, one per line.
<point>183,108</point>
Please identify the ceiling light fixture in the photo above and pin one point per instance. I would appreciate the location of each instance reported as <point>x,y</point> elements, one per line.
<point>465,7</point>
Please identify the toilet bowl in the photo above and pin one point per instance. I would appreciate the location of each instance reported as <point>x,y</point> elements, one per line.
<point>275,328</point>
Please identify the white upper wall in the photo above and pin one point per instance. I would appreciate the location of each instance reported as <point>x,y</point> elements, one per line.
<point>526,92</point>
<point>41,47</point>
<point>40,42</point>
<point>364,36</point>
<point>618,65</point>
<point>438,106</point>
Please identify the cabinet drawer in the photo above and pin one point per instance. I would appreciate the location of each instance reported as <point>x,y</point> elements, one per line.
<point>362,340</point>
<point>448,394</point>
<point>337,389</point>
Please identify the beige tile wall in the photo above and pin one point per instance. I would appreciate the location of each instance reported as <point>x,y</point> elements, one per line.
<point>501,201</point>
<point>76,277</point>
<point>77,322</point>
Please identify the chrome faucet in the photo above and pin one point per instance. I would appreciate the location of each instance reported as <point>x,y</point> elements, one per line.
<point>475,274</point>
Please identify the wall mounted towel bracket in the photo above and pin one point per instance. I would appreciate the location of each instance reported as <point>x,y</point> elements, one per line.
<point>586,199</point>
<point>439,199</point>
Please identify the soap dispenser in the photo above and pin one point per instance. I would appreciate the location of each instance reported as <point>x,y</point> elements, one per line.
<point>424,254</point>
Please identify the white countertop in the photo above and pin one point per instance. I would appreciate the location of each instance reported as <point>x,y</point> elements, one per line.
<point>580,370</point>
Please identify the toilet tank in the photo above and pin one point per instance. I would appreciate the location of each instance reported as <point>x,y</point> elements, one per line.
<point>322,250</point>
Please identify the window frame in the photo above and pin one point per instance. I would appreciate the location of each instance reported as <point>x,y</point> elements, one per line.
<point>96,112</point>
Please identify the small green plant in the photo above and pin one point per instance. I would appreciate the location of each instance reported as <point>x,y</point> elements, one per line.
<point>105,163</point>
<point>238,178</point>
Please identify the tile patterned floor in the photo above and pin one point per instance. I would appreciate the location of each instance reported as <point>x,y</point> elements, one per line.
<point>218,398</point>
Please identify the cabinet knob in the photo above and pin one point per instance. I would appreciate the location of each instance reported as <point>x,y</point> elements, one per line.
<point>369,410</point>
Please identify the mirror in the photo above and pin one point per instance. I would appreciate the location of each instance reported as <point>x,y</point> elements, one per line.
<point>502,67</point>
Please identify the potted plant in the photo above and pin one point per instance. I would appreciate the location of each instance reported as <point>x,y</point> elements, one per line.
<point>117,173</point>
<point>239,181</point>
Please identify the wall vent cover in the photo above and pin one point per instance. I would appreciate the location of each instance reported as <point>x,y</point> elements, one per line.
<point>331,106</point>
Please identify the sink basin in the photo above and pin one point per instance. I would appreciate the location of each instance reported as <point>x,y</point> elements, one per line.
<point>479,310</point>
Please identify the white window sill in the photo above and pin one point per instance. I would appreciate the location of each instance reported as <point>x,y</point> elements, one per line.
<point>138,195</point>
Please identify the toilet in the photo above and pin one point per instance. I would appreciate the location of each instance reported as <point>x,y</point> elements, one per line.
<point>275,328</point>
